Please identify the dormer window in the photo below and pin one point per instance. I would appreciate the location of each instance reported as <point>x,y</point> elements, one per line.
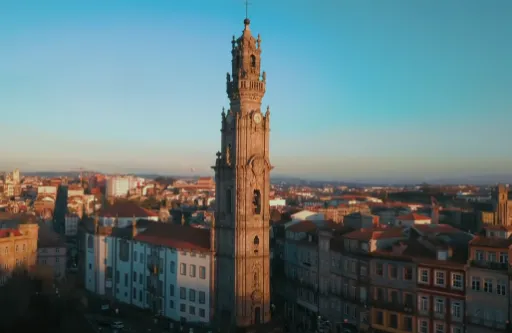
<point>442,255</point>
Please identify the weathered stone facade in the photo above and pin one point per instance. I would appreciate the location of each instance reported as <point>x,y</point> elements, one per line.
<point>242,171</point>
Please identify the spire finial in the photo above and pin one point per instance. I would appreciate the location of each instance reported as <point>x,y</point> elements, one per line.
<point>247,4</point>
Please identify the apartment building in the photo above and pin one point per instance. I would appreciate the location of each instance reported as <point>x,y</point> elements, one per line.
<point>488,281</point>
<point>162,267</point>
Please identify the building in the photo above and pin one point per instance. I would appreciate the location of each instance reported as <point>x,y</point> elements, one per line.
<point>164,267</point>
<point>119,186</point>
<point>18,244</point>
<point>71,225</point>
<point>412,219</point>
<point>502,205</point>
<point>242,177</point>
<point>51,252</point>
<point>488,289</point>
<point>122,213</point>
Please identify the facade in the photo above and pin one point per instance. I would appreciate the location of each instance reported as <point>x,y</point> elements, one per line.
<point>119,186</point>
<point>18,248</point>
<point>488,282</point>
<point>502,205</point>
<point>242,177</point>
<point>51,252</point>
<point>166,268</point>
<point>71,225</point>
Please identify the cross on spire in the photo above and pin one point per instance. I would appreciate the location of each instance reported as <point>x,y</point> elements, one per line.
<point>247,4</point>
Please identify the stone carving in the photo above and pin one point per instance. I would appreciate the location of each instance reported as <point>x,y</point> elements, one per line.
<point>228,155</point>
<point>258,166</point>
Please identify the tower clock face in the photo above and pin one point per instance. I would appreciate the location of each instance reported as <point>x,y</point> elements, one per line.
<point>257,117</point>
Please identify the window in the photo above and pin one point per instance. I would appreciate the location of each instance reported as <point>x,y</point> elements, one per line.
<point>408,273</point>
<point>202,272</point>
<point>173,267</point>
<point>491,256</point>
<point>501,287</point>
<point>171,290</point>
<point>192,310</point>
<point>479,255</point>
<point>488,285</point>
<point>183,293</point>
<point>126,279</point>
<point>256,202</point>
<point>135,256</point>
<point>456,310</point>
<point>202,297</point>
<point>408,324</point>
<point>456,329</point>
<point>423,326</point>
<point>393,321</point>
<point>192,295</point>
<point>423,303</point>
<point>140,278</point>
<point>380,318</point>
<point>392,271</point>
<point>440,278</point>
<point>17,248</point>
<point>202,313</point>
<point>183,269</point>
<point>134,276</point>
<point>346,310</point>
<point>363,270</point>
<point>439,328</point>
<point>183,307</point>
<point>503,257</point>
<point>378,269</point>
<point>253,60</point>
<point>423,276</point>
<point>256,241</point>
<point>57,259</point>
<point>142,258</point>
<point>171,304</point>
<point>475,283</point>
<point>457,281</point>
<point>134,294</point>
<point>192,270</point>
<point>439,306</point>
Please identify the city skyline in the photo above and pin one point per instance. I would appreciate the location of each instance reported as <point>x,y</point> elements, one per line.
<point>110,87</point>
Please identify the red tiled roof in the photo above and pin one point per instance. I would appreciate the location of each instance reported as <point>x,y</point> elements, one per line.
<point>493,242</point>
<point>413,217</point>
<point>176,236</point>
<point>7,232</point>
<point>125,209</point>
<point>302,226</point>
<point>434,228</point>
<point>375,233</point>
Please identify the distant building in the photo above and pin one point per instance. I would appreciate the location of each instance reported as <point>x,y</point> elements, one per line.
<point>411,219</point>
<point>119,186</point>
<point>122,213</point>
<point>51,252</point>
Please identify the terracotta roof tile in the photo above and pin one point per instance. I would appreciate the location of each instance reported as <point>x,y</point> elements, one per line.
<point>4,233</point>
<point>126,209</point>
<point>176,236</point>
<point>413,217</point>
<point>376,233</point>
<point>493,242</point>
<point>425,229</point>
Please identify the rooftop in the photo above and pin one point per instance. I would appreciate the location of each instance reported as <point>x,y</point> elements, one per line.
<point>125,209</point>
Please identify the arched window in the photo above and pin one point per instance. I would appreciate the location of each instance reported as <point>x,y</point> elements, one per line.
<point>237,61</point>
<point>253,61</point>
<point>256,202</point>
<point>228,201</point>
<point>256,241</point>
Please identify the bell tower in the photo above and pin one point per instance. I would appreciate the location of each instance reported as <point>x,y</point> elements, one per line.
<point>242,172</point>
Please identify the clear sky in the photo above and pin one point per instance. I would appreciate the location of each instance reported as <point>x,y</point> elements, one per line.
<point>394,89</point>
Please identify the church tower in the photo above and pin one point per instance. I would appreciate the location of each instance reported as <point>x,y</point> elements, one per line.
<point>242,172</point>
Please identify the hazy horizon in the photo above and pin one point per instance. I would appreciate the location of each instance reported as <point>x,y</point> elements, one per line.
<point>395,90</point>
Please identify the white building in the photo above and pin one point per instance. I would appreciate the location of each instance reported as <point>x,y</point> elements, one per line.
<point>121,214</point>
<point>277,202</point>
<point>163,267</point>
<point>118,186</point>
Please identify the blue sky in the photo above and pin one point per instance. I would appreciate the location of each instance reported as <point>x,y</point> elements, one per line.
<point>393,89</point>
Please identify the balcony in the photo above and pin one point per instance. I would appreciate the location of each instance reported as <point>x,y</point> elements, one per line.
<point>497,266</point>
<point>497,325</point>
<point>393,306</point>
<point>154,269</point>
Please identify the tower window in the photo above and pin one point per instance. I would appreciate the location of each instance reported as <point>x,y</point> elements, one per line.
<point>237,61</point>
<point>228,201</point>
<point>253,61</point>
<point>256,202</point>
<point>256,241</point>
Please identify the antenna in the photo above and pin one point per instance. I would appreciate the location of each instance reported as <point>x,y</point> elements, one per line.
<point>247,4</point>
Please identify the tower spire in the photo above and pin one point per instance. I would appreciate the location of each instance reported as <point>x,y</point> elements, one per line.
<point>247,4</point>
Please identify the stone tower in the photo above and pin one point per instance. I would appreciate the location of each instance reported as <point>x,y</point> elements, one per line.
<point>242,171</point>
<point>501,204</point>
